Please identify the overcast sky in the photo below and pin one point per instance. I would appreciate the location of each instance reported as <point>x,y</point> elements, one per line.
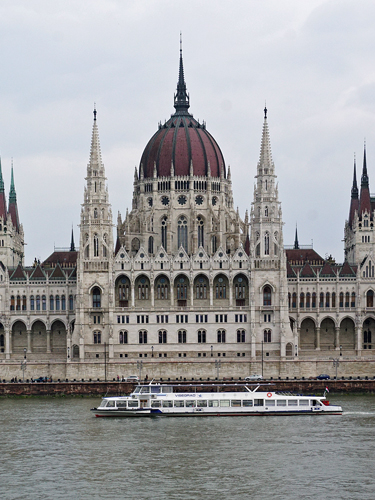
<point>312,62</point>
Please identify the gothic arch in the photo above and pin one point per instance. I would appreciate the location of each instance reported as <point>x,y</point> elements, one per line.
<point>241,289</point>
<point>221,289</point>
<point>38,337</point>
<point>327,333</point>
<point>58,337</point>
<point>142,290</point>
<point>162,289</point>
<point>307,334</point>
<point>347,333</point>
<point>182,289</point>
<point>201,287</point>
<point>122,291</point>
<point>19,336</point>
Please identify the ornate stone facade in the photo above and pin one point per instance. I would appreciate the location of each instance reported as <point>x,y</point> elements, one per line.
<point>188,281</point>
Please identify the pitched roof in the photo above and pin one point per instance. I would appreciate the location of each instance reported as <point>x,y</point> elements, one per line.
<point>347,271</point>
<point>327,271</point>
<point>307,271</point>
<point>64,258</point>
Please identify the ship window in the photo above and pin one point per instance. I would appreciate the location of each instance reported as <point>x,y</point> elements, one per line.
<point>247,402</point>
<point>293,402</point>
<point>281,402</point>
<point>133,404</point>
<point>202,403</point>
<point>225,402</point>
<point>155,404</point>
<point>258,402</point>
<point>235,402</point>
<point>271,403</point>
<point>167,404</point>
<point>155,390</point>
<point>121,404</point>
<point>304,402</point>
<point>190,403</point>
<point>179,404</point>
<point>213,403</point>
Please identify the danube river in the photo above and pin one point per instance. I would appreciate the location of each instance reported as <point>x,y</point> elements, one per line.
<point>53,448</point>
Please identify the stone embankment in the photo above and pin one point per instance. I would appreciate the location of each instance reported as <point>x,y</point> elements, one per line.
<point>114,388</point>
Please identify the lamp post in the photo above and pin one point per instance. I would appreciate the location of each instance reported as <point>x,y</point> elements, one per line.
<point>218,366</point>
<point>23,364</point>
<point>139,367</point>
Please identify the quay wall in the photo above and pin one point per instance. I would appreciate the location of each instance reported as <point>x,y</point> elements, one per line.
<point>208,368</point>
<point>100,389</point>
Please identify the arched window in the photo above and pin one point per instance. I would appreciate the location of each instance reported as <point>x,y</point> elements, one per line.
<point>267,336</point>
<point>71,303</point>
<point>182,290</point>
<point>57,303</point>
<point>95,210</point>
<point>267,296</point>
<point>164,223</point>
<point>266,208</point>
<point>200,228</point>
<point>182,337</point>
<point>97,338</point>
<point>370,299</point>
<point>44,303</point>
<point>24,303</point>
<point>333,299</point>
<point>38,302</point>
<point>143,290</point>
<point>313,302</point>
<point>240,289</point>
<point>12,303</point>
<point>123,337</point>
<point>220,289</point>
<point>327,299</point>
<point>241,336</point>
<point>352,304</point>
<point>321,299</point>
<point>266,244</point>
<point>162,289</point>
<point>213,244</point>
<point>201,336</point>
<point>302,300</point>
<point>151,244</point>
<point>63,303</point>
<point>347,299</point>
<point>221,336</point>
<point>201,289</point>
<point>51,303</point>
<point>341,296</point>
<point>87,251</point>
<point>294,300</point>
<point>308,300</point>
<point>182,233</point>
<point>18,303</point>
<point>96,297</point>
<point>143,337</point>
<point>162,336</point>
<point>289,299</point>
<point>96,245</point>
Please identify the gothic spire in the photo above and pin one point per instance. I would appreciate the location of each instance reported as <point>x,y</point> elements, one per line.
<point>296,244</point>
<point>365,201</point>
<point>354,203</point>
<point>265,159</point>
<point>3,203</point>
<point>12,209</point>
<point>72,246</point>
<point>181,98</point>
<point>95,153</point>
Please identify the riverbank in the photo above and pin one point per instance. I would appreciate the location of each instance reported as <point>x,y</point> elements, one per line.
<point>100,388</point>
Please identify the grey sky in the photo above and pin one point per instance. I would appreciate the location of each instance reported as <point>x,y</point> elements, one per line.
<point>313,62</point>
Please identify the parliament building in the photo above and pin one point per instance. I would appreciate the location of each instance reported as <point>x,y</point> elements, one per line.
<point>186,286</point>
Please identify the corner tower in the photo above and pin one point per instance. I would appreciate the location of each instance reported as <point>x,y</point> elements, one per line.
<point>359,236</point>
<point>94,294</point>
<point>269,307</point>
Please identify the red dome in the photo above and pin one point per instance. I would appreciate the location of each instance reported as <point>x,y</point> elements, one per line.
<point>182,140</point>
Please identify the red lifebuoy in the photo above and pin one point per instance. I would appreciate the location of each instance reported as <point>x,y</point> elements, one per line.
<point>269,394</point>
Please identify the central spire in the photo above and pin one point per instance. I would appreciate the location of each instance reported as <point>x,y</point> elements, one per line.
<point>181,98</point>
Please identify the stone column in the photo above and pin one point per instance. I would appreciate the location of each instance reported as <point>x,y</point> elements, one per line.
<point>191,294</point>
<point>317,338</point>
<point>152,290</point>
<point>69,353</point>
<point>230,295</point>
<point>211,284</point>
<point>29,341</point>
<point>48,341</point>
<point>337,338</point>
<point>81,349</point>
<point>8,341</point>
<point>171,293</point>
<point>359,339</point>
<point>132,293</point>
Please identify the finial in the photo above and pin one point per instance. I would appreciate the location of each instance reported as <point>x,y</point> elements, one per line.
<point>181,43</point>
<point>95,112</point>
<point>181,98</point>
<point>265,110</point>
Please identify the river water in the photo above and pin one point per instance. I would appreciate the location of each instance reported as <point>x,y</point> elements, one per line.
<point>53,448</point>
